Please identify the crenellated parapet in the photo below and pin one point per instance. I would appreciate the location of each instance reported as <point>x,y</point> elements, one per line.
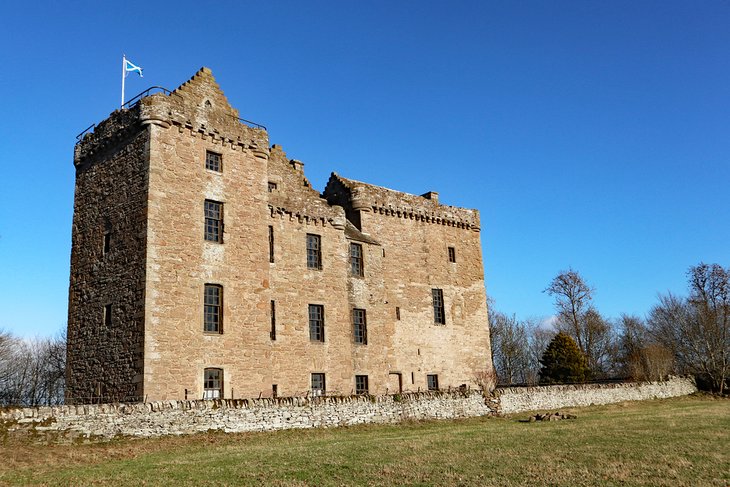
<point>198,108</point>
<point>294,196</point>
<point>359,196</point>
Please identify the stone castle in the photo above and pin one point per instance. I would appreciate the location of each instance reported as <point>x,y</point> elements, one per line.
<point>204,265</point>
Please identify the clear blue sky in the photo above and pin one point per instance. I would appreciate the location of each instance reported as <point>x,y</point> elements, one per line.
<point>591,134</point>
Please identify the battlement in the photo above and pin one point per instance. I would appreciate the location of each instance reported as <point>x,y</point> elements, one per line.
<point>384,201</point>
<point>197,107</point>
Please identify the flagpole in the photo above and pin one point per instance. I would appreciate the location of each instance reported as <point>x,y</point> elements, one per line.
<point>124,63</point>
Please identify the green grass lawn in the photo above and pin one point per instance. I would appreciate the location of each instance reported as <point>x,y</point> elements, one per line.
<point>683,441</point>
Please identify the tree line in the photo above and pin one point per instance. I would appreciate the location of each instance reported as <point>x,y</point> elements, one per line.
<point>32,372</point>
<point>680,335</point>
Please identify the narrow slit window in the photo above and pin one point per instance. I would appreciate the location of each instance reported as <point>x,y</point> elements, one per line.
<point>274,391</point>
<point>108,315</point>
<point>271,243</point>
<point>272,333</point>
<point>397,313</point>
<point>107,242</point>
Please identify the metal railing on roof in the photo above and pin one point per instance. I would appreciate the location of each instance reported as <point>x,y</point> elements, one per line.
<point>148,92</point>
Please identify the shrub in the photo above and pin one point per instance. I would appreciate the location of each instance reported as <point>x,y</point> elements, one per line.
<point>563,362</point>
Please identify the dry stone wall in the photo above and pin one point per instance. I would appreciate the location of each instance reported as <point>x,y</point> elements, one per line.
<point>186,417</point>
<point>512,400</point>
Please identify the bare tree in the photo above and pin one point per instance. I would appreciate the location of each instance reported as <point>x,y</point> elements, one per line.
<point>509,348</point>
<point>696,329</point>
<point>579,319</point>
<point>539,336</point>
<point>32,372</point>
<point>639,356</point>
<point>572,299</point>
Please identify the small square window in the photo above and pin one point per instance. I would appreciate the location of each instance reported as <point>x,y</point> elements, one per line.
<point>272,187</point>
<point>433,382</point>
<point>452,254</point>
<point>356,260</point>
<point>213,384</point>
<point>318,385</point>
<point>361,384</point>
<point>314,251</point>
<point>316,322</point>
<point>213,161</point>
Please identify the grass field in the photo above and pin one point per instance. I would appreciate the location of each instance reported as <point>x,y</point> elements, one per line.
<point>683,441</point>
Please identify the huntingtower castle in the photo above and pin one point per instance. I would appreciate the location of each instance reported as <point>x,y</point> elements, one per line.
<point>204,265</point>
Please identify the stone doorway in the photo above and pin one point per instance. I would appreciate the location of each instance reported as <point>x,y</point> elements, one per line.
<point>395,383</point>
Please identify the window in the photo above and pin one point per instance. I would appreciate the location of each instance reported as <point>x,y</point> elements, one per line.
<point>272,187</point>
<point>438,306</point>
<point>356,260</point>
<point>314,251</point>
<point>213,161</point>
<point>397,313</point>
<point>213,384</point>
<point>272,333</point>
<point>316,322</point>
<point>108,315</point>
<point>274,391</point>
<point>213,309</point>
<point>361,384</point>
<point>107,242</point>
<point>318,386</point>
<point>213,221</point>
<point>452,254</point>
<point>360,326</point>
<point>433,382</point>
<point>271,243</point>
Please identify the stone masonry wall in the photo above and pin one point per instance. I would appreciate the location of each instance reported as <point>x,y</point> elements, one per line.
<point>185,417</point>
<point>105,356</point>
<point>518,399</point>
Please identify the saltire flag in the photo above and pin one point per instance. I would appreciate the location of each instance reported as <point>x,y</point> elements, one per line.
<point>131,68</point>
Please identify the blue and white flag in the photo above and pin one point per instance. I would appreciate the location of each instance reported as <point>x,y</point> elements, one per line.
<point>129,67</point>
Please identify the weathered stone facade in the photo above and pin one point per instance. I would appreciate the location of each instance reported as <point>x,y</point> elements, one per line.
<point>141,189</point>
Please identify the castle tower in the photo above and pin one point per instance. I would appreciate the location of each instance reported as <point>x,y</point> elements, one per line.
<point>204,265</point>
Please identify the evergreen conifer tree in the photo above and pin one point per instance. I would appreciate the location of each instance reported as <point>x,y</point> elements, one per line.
<point>563,362</point>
